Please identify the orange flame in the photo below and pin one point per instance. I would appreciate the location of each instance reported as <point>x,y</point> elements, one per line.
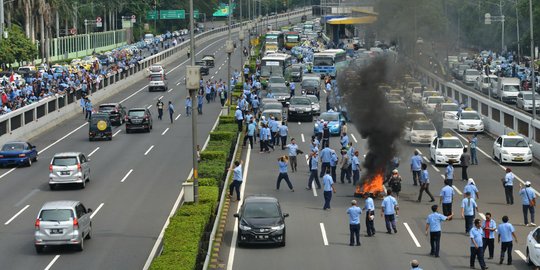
<point>375,186</point>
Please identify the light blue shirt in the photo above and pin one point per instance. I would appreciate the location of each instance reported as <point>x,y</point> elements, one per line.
<point>416,163</point>
<point>472,189</point>
<point>505,230</point>
<point>344,141</point>
<point>447,193</point>
<point>237,173</point>
<point>388,204</point>
<point>509,179</point>
<point>251,129</point>
<point>273,125</point>
<point>282,166</point>
<point>293,149</point>
<point>326,155</point>
<point>314,163</point>
<point>450,172</point>
<point>476,234</point>
<point>255,103</point>
<point>424,177</point>
<point>327,182</point>
<point>369,206</point>
<point>355,163</point>
<point>283,130</point>
<point>527,194</point>
<point>474,142</point>
<point>492,225</point>
<point>333,159</point>
<point>238,115</point>
<point>262,134</point>
<point>354,214</point>
<point>434,221</point>
<point>468,205</point>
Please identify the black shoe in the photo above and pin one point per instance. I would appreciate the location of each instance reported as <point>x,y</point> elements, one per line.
<point>432,200</point>
<point>358,244</point>
<point>389,232</point>
<point>395,230</point>
<point>351,244</point>
<point>415,184</point>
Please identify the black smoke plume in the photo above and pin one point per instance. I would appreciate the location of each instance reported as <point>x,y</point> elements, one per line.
<point>375,118</point>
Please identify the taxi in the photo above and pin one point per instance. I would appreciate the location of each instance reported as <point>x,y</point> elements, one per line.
<point>416,95</point>
<point>431,102</point>
<point>512,148</point>
<point>420,132</point>
<point>468,121</point>
<point>446,148</point>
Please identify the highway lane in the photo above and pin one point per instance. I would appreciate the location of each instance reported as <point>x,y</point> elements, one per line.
<point>305,242</point>
<point>133,211</point>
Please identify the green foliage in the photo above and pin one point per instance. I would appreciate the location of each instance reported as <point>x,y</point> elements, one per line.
<point>207,182</point>
<point>222,136</point>
<point>214,170</point>
<point>213,155</point>
<point>16,48</point>
<point>224,146</point>
<point>225,119</point>
<point>228,127</point>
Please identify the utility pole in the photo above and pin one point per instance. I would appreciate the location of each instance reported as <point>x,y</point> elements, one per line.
<point>241,37</point>
<point>533,79</point>
<point>518,41</point>
<point>1,19</point>
<point>229,48</point>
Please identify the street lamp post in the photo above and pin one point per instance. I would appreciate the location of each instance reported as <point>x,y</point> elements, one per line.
<point>241,38</point>
<point>229,48</point>
<point>533,79</point>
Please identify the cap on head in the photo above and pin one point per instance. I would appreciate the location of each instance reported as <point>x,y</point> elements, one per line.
<point>395,171</point>
<point>528,183</point>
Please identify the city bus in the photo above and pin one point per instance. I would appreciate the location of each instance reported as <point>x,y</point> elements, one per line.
<point>274,41</point>
<point>292,39</point>
<point>329,62</point>
<point>275,64</point>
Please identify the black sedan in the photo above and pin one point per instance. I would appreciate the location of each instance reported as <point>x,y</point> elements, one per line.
<point>261,221</point>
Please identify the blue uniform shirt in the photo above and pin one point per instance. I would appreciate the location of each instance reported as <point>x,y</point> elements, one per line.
<point>327,182</point>
<point>476,234</point>
<point>282,166</point>
<point>333,159</point>
<point>492,225</point>
<point>424,177</point>
<point>262,134</point>
<point>450,172</point>
<point>238,115</point>
<point>472,189</point>
<point>434,221</point>
<point>314,163</point>
<point>293,148</point>
<point>369,206</point>
<point>468,205</point>
<point>237,173</point>
<point>527,194</point>
<point>355,163</point>
<point>416,163</point>
<point>283,130</point>
<point>447,192</point>
<point>251,129</point>
<point>354,213</point>
<point>255,103</point>
<point>509,179</point>
<point>344,141</point>
<point>388,204</point>
<point>505,230</point>
<point>326,155</point>
<point>474,142</point>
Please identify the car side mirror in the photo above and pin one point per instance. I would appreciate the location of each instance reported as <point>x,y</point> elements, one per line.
<point>236,215</point>
<point>286,215</point>
<point>498,144</point>
<point>89,210</point>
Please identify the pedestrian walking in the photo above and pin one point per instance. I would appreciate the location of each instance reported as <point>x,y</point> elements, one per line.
<point>416,166</point>
<point>528,201</point>
<point>508,183</point>
<point>473,144</point>
<point>465,161</point>
<point>355,167</point>
<point>369,208</point>
<point>268,138</point>
<point>333,164</point>
<point>354,213</point>
<point>489,227</point>
<point>171,111</point>
<point>319,129</point>
<point>262,139</point>
<point>283,175</point>
<point>222,95</point>
<point>159,106</point>
<point>328,183</point>
<point>313,167</point>
<point>424,184</point>
<point>274,128</point>
<point>472,189</point>
<point>344,166</point>
<point>255,106</point>
<point>390,210</point>
<point>506,233</point>
<point>446,198</point>
<point>415,265</point>
<point>283,132</point>
<point>477,250</point>
<point>326,156</point>
<point>237,179</point>
<point>326,135</point>
<point>239,116</point>
<point>433,226</point>
<point>344,129</point>
<point>293,153</point>
<point>394,182</point>
<point>88,109</point>
<point>468,207</point>
<point>189,106</point>
<point>344,140</point>
<point>200,103</point>
<point>449,173</point>
<point>250,133</point>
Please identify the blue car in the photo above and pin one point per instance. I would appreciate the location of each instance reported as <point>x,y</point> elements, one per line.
<point>18,153</point>
<point>334,121</point>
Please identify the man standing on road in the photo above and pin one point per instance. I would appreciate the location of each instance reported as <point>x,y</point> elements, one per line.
<point>239,116</point>
<point>283,175</point>
<point>333,164</point>
<point>473,143</point>
<point>313,167</point>
<point>508,183</point>
<point>159,106</point>
<point>355,167</point>
<point>489,228</point>
<point>283,132</point>
<point>506,233</point>
<point>468,207</point>
<point>433,226</point>
<point>471,188</point>
<point>171,111</point>
<point>344,140</point>
<point>449,173</point>
<point>465,160</point>
<point>326,156</point>
<point>369,207</point>
<point>354,213</point>
<point>88,108</point>
<point>328,189</point>
<point>250,133</point>
<point>344,165</point>
<point>390,210</point>
<point>237,179</point>
<point>293,152</point>
<point>446,199</point>
<point>424,184</point>
<point>528,200</point>
<point>416,166</point>
<point>326,135</point>
<point>477,245</point>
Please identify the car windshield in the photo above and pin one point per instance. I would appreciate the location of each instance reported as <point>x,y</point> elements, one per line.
<point>56,215</point>
<point>106,108</point>
<point>12,147</point>
<point>511,88</point>
<point>435,100</point>
<point>329,116</point>
<point>268,114</point>
<point>156,78</point>
<point>452,143</point>
<point>296,69</point>
<point>394,98</point>
<point>449,107</point>
<point>273,106</point>
<point>323,61</point>
<point>276,80</point>
<point>529,97</point>
<point>280,90</point>
<point>429,93</point>
<point>136,113</point>
<point>472,72</point>
<point>515,142</point>
<point>64,161</point>
<point>423,126</point>
<point>313,99</point>
<point>310,83</point>
<point>470,116</point>
<point>155,69</point>
<point>261,210</point>
<point>300,101</point>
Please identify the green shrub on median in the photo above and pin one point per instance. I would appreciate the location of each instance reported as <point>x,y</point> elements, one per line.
<point>222,136</point>
<point>213,155</point>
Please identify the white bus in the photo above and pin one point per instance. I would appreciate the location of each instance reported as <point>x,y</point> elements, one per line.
<point>276,64</point>
<point>329,62</point>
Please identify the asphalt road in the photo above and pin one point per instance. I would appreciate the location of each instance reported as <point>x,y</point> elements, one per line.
<point>135,179</point>
<point>318,239</point>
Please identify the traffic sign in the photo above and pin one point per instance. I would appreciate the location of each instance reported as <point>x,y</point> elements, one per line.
<point>98,19</point>
<point>196,13</point>
<point>151,15</point>
<point>99,23</point>
<point>133,19</point>
<point>172,14</point>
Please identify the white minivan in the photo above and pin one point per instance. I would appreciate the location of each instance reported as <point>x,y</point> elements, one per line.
<point>508,89</point>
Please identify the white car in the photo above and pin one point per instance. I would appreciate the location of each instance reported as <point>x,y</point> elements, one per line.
<point>533,247</point>
<point>427,94</point>
<point>449,147</point>
<point>431,102</point>
<point>420,132</point>
<point>512,148</point>
<point>470,76</point>
<point>156,70</point>
<point>524,101</point>
<point>416,95</point>
<point>468,121</point>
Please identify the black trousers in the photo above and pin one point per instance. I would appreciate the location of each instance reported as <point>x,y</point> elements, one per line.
<point>160,114</point>
<point>313,176</point>
<point>355,176</point>
<point>509,194</point>
<point>468,223</point>
<point>425,187</point>
<point>416,177</point>
<point>435,241</point>
<point>283,142</point>
<point>489,243</point>
<point>235,185</point>
<point>325,142</point>
<point>250,138</point>
<point>324,167</point>
<point>292,161</point>
<point>333,173</point>
<point>283,176</point>
<point>506,247</point>
<point>447,209</point>
<point>354,234</point>
<point>345,173</point>
<point>477,253</point>
<point>370,226</point>
<point>464,174</point>
<point>240,122</point>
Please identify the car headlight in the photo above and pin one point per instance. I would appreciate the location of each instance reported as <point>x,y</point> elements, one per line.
<point>504,152</point>
<point>439,153</point>
<point>278,228</point>
<point>461,123</point>
<point>414,134</point>
<point>292,109</point>
<point>244,227</point>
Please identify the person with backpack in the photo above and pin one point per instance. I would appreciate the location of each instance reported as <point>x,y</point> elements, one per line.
<point>394,182</point>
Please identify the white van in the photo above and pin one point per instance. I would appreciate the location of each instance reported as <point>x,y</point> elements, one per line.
<point>149,38</point>
<point>508,89</point>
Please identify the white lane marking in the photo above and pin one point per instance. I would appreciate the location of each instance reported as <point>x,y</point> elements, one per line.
<point>216,72</point>
<point>457,190</point>
<point>211,78</point>
<point>130,96</point>
<point>412,234</point>
<point>165,131</point>
<point>482,215</point>
<point>149,149</point>
<point>16,215</point>
<point>314,189</point>
<point>425,158</point>
<point>8,172</point>
<point>435,168</point>
<point>354,138</point>
<point>324,90</point>
<point>160,97</point>
<point>116,133</point>
<point>126,176</point>
<point>95,150</point>
<point>178,83</point>
<point>149,107</point>
<point>199,52</point>
<point>97,210</point>
<point>232,249</point>
<point>521,255</point>
<point>220,67</point>
<point>19,203</point>
<point>303,139</point>
<point>323,232</point>
<point>307,160</point>
<point>169,90</point>
<point>52,262</point>
<point>419,152</point>
<point>177,117</point>
<point>59,140</point>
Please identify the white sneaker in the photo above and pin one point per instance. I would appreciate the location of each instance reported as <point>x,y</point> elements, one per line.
<point>533,224</point>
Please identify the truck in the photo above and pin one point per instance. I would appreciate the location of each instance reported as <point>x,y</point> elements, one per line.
<point>508,89</point>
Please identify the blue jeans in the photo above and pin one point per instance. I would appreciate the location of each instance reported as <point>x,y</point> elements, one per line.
<point>474,157</point>
<point>327,198</point>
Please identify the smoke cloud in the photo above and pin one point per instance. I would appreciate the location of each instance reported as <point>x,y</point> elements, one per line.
<point>375,118</point>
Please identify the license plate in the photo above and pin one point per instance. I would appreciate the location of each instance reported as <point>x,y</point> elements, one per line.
<point>453,160</point>
<point>518,159</point>
<point>64,173</point>
<point>56,231</point>
<point>262,237</point>
<point>472,129</point>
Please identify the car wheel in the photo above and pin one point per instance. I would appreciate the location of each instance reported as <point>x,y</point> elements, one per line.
<point>283,241</point>
<point>36,158</point>
<point>89,235</point>
<point>52,186</point>
<point>83,185</point>
<point>529,262</point>
<point>500,159</point>
<point>127,130</point>
<point>80,247</point>
<point>29,163</point>
<point>39,249</point>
